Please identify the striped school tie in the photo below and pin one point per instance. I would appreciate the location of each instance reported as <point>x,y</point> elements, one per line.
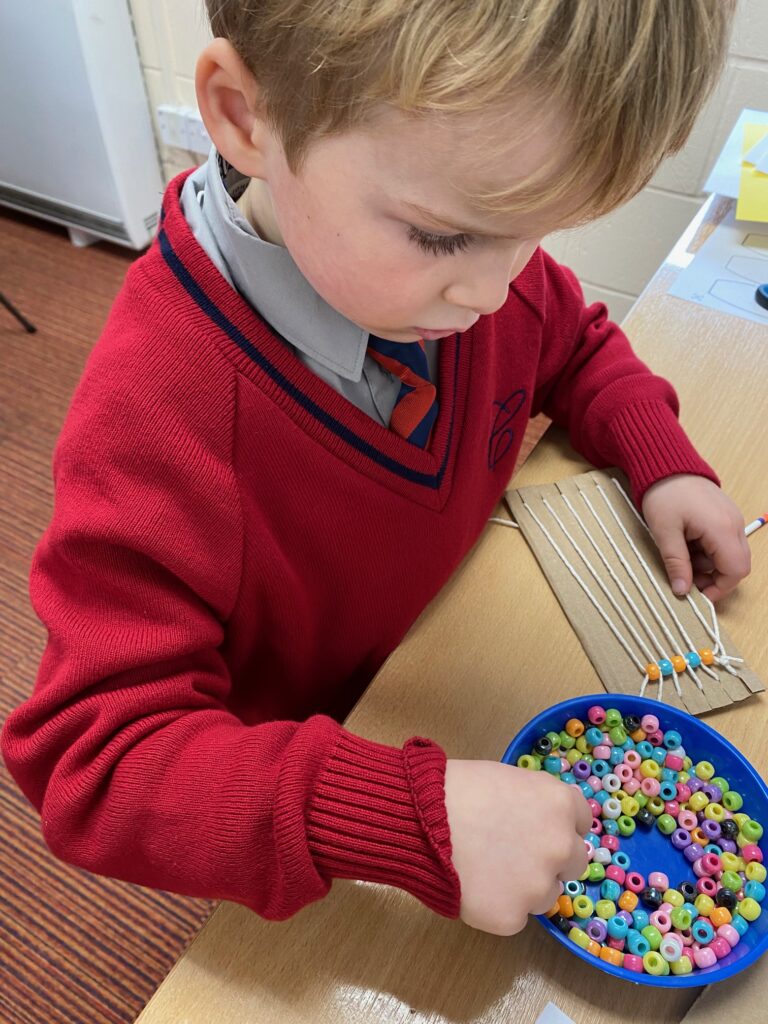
<point>415,409</point>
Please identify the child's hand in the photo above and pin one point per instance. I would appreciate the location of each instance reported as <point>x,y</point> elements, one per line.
<point>700,534</point>
<point>515,835</point>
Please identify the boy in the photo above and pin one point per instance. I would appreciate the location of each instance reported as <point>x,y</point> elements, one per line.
<point>285,442</point>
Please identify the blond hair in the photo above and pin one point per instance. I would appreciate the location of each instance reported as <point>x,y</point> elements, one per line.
<point>630,75</point>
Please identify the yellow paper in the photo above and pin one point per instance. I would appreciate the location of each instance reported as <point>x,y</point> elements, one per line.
<point>752,202</point>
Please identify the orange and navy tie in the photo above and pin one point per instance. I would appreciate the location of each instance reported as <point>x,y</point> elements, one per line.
<point>415,409</point>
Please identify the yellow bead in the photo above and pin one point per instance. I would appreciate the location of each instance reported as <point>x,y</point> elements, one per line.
<point>697,801</point>
<point>705,770</point>
<point>714,812</point>
<point>749,909</point>
<point>674,898</point>
<point>678,662</point>
<point>651,770</point>
<point>730,861</point>
<point>605,909</point>
<point>629,806</point>
<point>704,904</point>
<point>755,872</point>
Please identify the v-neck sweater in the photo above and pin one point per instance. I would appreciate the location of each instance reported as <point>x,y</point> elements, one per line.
<point>235,549</point>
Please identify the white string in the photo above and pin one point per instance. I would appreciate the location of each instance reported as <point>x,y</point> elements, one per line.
<point>721,656</point>
<point>585,588</point>
<point>504,522</point>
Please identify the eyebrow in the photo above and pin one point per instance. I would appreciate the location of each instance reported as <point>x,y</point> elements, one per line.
<point>446,222</point>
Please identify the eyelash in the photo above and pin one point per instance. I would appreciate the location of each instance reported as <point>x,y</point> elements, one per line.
<point>439,245</point>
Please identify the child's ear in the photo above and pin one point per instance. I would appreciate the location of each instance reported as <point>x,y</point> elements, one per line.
<point>232,109</point>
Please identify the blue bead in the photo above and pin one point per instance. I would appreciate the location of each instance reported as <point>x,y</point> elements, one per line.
<point>637,944</point>
<point>641,918</point>
<point>594,736</point>
<point>702,931</point>
<point>665,666</point>
<point>693,659</point>
<point>610,890</point>
<point>600,768</point>
<point>592,839</point>
<point>629,745</point>
<point>756,890</point>
<point>672,739</point>
<point>645,749</point>
<point>617,927</point>
<point>568,777</point>
<point>610,827</point>
<point>586,789</point>
<point>552,764</point>
<point>669,775</point>
<point>694,910</point>
<point>659,754</point>
<point>621,860</point>
<point>713,848</point>
<point>617,755</point>
<point>601,796</point>
<point>740,924</point>
<point>667,791</point>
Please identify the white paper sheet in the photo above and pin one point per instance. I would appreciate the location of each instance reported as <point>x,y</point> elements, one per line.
<point>551,1015</point>
<point>726,173</point>
<point>725,272</point>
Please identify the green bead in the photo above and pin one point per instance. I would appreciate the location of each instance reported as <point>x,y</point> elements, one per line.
<point>681,966</point>
<point>653,935</point>
<point>582,745</point>
<point>681,918</point>
<point>731,880</point>
<point>626,825</point>
<point>566,741</point>
<point>655,964</point>
<point>732,800</point>
<point>554,739</point>
<point>752,831</point>
<point>529,761</point>
<point>596,872</point>
<point>612,718</point>
<point>674,898</point>
<point>666,824</point>
<point>641,798</point>
<point>580,937</point>
<point>721,783</point>
<point>618,735</point>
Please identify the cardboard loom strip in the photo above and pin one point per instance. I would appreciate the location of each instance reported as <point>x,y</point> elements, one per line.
<point>616,669</point>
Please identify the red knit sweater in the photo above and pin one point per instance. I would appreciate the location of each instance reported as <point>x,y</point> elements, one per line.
<point>234,551</point>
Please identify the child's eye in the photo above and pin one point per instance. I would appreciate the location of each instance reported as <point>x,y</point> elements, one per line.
<point>439,245</point>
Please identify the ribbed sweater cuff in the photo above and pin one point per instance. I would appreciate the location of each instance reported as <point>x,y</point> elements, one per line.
<point>378,815</point>
<point>651,445</point>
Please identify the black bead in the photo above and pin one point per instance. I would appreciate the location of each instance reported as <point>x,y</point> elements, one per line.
<point>645,818</point>
<point>562,923</point>
<point>652,897</point>
<point>688,891</point>
<point>726,898</point>
<point>631,723</point>
<point>543,746</point>
<point>729,828</point>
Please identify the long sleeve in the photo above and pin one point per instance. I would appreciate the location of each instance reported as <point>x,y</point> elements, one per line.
<point>616,411</point>
<point>129,746</point>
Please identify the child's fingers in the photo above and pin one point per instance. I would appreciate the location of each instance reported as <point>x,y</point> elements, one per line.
<point>673,548</point>
<point>583,812</point>
<point>732,562</point>
<point>577,861</point>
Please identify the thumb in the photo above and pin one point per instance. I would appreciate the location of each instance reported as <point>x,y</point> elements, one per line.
<point>677,560</point>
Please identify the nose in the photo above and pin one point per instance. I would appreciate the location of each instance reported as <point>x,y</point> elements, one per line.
<point>482,284</point>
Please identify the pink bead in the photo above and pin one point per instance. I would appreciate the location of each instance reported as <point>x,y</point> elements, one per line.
<point>590,852</point>
<point>564,766</point>
<point>650,787</point>
<point>596,714</point>
<point>615,873</point>
<point>649,723</point>
<point>688,953</point>
<point>597,828</point>
<point>705,957</point>
<point>656,738</point>
<point>720,947</point>
<point>666,908</point>
<point>674,762</point>
<point>672,807</point>
<point>686,938</point>
<point>699,870</point>
<point>594,806</point>
<point>633,963</point>
<point>658,880</point>
<point>601,752</point>
<point>631,786</point>
<point>687,819</point>
<point>711,863</point>
<point>633,759</point>
<point>661,921</point>
<point>706,884</point>
<point>683,792</point>
<point>594,782</point>
<point>623,772</point>
<point>610,843</point>
<point>752,852</point>
<point>729,933</point>
<point>616,943</point>
<point>634,881</point>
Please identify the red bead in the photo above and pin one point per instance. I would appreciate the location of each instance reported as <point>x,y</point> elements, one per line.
<point>634,881</point>
<point>633,963</point>
<point>720,947</point>
<point>610,842</point>
<point>615,873</point>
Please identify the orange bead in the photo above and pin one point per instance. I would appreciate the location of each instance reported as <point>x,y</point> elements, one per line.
<point>628,901</point>
<point>639,735</point>
<point>706,656</point>
<point>594,947</point>
<point>698,836</point>
<point>653,671</point>
<point>554,909</point>
<point>611,955</point>
<point>565,905</point>
<point>678,662</point>
<point>720,916</point>
<point>574,727</point>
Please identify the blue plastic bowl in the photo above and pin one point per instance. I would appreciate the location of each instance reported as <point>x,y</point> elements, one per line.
<point>650,850</point>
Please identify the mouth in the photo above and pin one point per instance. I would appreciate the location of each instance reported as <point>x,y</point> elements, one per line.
<point>431,334</point>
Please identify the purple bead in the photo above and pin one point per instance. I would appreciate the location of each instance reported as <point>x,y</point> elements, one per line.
<point>681,838</point>
<point>597,929</point>
<point>714,793</point>
<point>582,770</point>
<point>694,784</point>
<point>626,916</point>
<point>693,852</point>
<point>711,829</point>
<point>727,845</point>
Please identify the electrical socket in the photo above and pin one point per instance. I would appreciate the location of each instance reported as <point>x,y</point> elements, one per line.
<point>183,128</point>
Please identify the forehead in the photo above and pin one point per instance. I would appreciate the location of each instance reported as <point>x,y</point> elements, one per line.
<point>448,162</point>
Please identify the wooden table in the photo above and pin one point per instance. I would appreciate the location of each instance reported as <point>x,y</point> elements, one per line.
<point>492,650</point>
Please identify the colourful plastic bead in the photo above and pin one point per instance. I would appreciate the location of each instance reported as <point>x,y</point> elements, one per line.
<point>678,664</point>
<point>574,727</point>
<point>749,909</point>
<point>580,937</point>
<point>706,655</point>
<point>704,957</point>
<point>681,966</point>
<point>655,964</point>
<point>693,659</point>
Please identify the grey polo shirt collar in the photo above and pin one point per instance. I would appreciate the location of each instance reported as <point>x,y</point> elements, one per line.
<point>266,275</point>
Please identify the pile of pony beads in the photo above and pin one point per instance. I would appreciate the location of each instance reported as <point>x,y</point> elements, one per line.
<point>634,775</point>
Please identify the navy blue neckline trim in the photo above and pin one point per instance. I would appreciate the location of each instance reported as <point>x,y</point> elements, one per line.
<point>212,311</point>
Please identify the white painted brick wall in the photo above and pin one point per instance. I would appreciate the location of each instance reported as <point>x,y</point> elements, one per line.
<point>614,257</point>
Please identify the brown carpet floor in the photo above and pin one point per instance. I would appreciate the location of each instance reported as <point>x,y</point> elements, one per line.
<point>74,948</point>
